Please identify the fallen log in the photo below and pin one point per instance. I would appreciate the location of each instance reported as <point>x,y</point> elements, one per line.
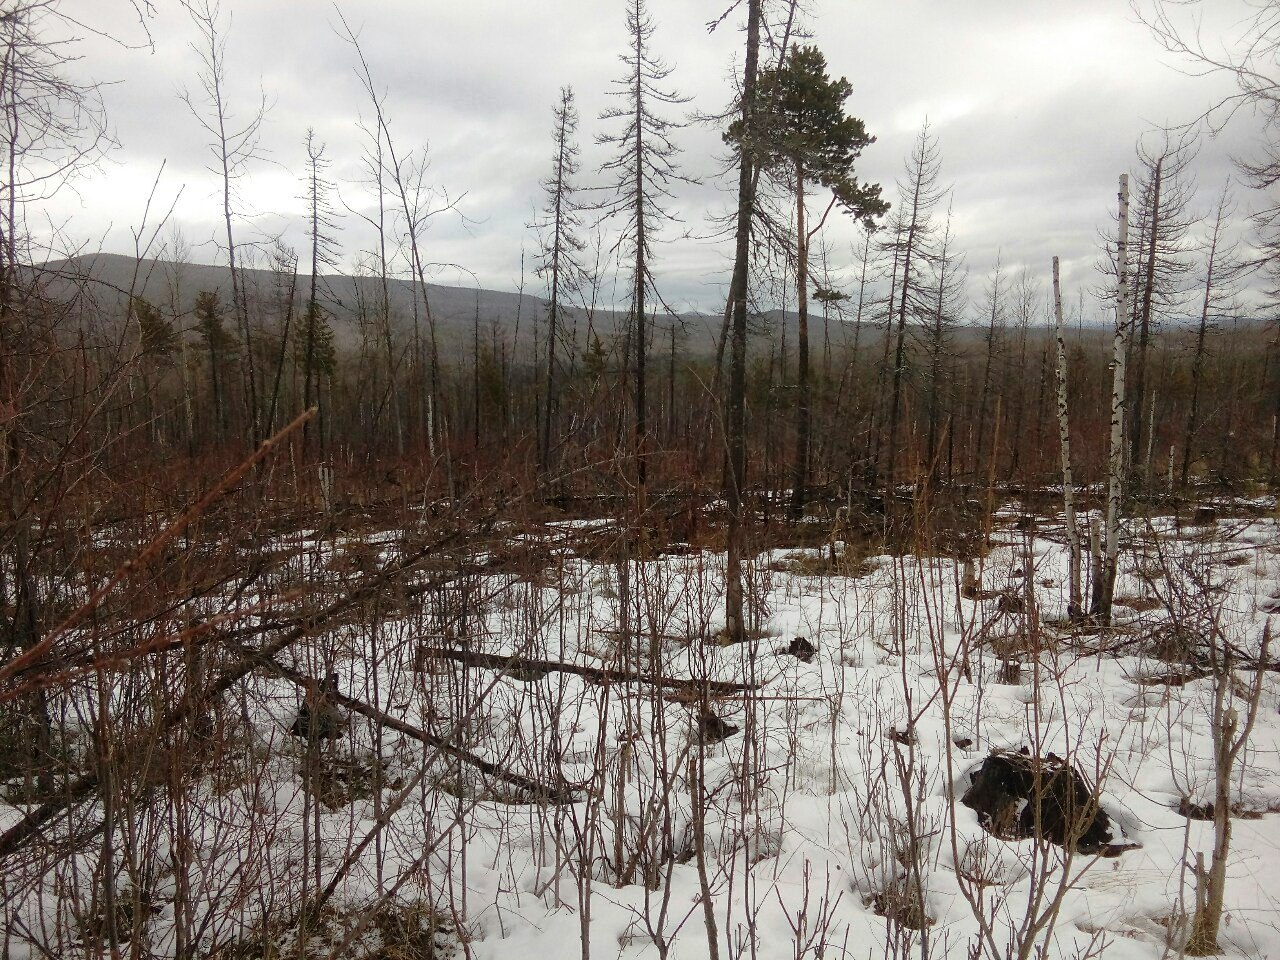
<point>82,788</point>
<point>539,790</point>
<point>529,666</point>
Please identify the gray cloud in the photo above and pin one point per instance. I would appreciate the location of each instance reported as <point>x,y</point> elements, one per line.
<point>1036,106</point>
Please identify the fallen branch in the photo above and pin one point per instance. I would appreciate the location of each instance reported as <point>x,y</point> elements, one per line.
<point>530,667</point>
<point>539,790</point>
<point>83,787</point>
<point>152,550</point>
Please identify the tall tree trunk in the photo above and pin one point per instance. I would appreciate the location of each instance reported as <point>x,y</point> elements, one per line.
<point>309,386</point>
<point>735,626</point>
<point>283,352</point>
<point>1144,328</point>
<point>553,308</point>
<point>800,466</point>
<point>899,349</point>
<point>1074,608</point>
<point>1197,362</point>
<point>219,408</point>
<point>475,378</point>
<point>984,392</point>
<point>671,391</point>
<point>1105,586</point>
<point>638,305</point>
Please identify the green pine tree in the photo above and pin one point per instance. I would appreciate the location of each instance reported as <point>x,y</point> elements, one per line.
<point>800,134</point>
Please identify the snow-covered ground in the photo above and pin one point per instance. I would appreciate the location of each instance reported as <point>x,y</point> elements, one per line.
<point>819,828</point>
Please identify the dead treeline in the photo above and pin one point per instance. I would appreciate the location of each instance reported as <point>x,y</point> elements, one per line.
<point>994,424</point>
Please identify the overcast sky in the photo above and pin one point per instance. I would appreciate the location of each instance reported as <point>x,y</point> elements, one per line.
<point>1036,105</point>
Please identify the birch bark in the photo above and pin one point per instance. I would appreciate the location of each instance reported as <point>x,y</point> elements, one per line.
<point>1105,587</point>
<point>1074,609</point>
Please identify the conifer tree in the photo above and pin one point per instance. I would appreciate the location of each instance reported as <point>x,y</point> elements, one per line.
<point>219,344</point>
<point>1162,220</point>
<point>561,244</point>
<point>948,303</point>
<point>803,135</point>
<point>644,171</point>
<point>736,407</point>
<point>156,337</point>
<point>911,243</point>
<point>234,145</point>
<point>317,346</point>
<point>1223,269</point>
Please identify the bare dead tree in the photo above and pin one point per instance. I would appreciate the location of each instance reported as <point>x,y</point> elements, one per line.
<point>420,204</point>
<point>1163,220</point>
<point>235,145</point>
<point>561,244</point>
<point>1075,608</point>
<point>919,192</point>
<point>1222,271</point>
<point>643,171</point>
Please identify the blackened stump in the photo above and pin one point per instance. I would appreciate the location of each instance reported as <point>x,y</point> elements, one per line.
<point>1018,796</point>
<point>800,648</point>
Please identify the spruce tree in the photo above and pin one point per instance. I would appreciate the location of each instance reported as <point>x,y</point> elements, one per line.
<point>735,402</point>
<point>317,345</point>
<point>219,344</point>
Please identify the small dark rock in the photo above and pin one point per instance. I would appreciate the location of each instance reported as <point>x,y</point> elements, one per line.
<point>1010,601</point>
<point>713,729</point>
<point>1195,811</point>
<point>1204,516</point>
<point>800,648</point>
<point>1067,807</point>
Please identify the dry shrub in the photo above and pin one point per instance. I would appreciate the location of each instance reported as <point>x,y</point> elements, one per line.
<point>344,778</point>
<point>412,930</point>
<point>899,904</point>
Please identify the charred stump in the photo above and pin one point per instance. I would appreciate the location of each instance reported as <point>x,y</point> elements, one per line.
<point>1018,796</point>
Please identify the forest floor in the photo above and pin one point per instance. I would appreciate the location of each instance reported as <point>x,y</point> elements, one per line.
<point>817,800</point>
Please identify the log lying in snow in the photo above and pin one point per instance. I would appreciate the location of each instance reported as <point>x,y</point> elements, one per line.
<point>526,667</point>
<point>537,789</point>
<point>82,788</point>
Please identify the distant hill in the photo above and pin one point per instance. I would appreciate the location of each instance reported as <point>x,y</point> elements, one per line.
<point>511,316</point>
<point>108,278</point>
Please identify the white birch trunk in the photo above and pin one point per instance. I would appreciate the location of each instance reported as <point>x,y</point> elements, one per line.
<point>1095,555</point>
<point>1074,608</point>
<point>1151,438</point>
<point>1117,457</point>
